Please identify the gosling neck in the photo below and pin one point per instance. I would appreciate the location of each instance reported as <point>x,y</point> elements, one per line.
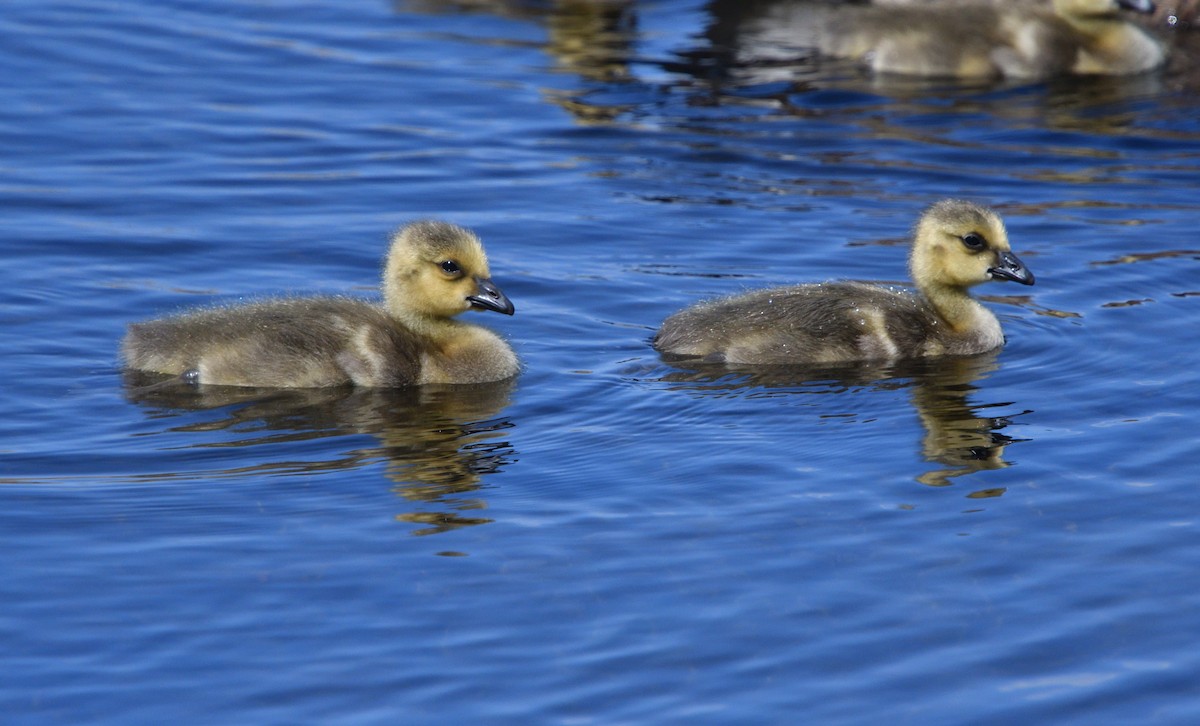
<point>420,323</point>
<point>954,306</point>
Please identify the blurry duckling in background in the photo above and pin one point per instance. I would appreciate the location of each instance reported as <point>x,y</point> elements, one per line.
<point>1167,14</point>
<point>986,39</point>
<point>433,272</point>
<point>956,245</point>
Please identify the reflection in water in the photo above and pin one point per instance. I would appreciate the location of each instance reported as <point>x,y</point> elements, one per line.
<point>959,435</point>
<point>752,52</point>
<point>437,442</point>
<point>593,39</point>
<point>767,45</point>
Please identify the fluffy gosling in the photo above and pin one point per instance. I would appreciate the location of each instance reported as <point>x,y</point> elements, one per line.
<point>984,39</point>
<point>956,245</point>
<point>433,272</point>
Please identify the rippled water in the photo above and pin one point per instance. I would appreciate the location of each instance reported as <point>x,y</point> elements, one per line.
<point>609,538</point>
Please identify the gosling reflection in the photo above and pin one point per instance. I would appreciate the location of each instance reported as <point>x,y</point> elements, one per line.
<point>591,39</point>
<point>959,435</point>
<point>956,433</point>
<point>437,442</point>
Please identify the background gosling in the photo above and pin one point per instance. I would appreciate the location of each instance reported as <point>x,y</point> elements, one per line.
<point>433,272</point>
<point>956,244</point>
<point>977,38</point>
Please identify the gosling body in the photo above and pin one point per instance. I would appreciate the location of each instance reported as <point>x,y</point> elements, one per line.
<point>975,39</point>
<point>956,245</point>
<point>433,272</point>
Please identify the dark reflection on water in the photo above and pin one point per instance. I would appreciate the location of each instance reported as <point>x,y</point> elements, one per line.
<point>594,40</point>
<point>438,442</point>
<point>960,435</point>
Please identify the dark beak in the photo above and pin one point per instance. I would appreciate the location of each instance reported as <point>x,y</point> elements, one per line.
<point>1008,267</point>
<point>489,297</point>
<point>1139,6</point>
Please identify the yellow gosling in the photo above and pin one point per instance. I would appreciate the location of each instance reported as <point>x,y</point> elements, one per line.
<point>956,245</point>
<point>987,39</point>
<point>434,271</point>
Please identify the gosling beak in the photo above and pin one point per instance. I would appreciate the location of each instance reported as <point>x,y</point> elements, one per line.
<point>1008,267</point>
<point>1138,6</point>
<point>489,297</point>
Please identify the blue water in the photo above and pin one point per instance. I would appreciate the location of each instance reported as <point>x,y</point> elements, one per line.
<point>609,538</point>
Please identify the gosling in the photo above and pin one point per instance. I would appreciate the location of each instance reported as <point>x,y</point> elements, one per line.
<point>956,245</point>
<point>433,272</point>
<point>987,39</point>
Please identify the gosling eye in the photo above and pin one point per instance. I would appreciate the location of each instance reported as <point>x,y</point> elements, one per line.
<point>974,241</point>
<point>451,268</point>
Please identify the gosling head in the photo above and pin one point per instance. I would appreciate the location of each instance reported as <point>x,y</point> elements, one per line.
<point>958,244</point>
<point>437,270</point>
<point>1098,8</point>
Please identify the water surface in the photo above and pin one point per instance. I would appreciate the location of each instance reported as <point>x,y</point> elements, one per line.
<point>609,538</point>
